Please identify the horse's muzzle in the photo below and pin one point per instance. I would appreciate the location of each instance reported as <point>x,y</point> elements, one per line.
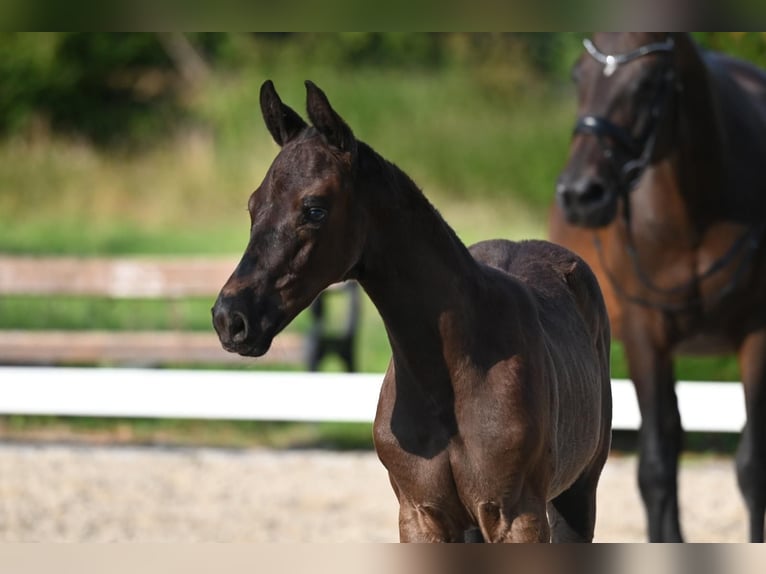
<point>586,202</point>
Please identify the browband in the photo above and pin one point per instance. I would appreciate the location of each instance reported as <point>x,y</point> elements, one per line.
<point>612,62</point>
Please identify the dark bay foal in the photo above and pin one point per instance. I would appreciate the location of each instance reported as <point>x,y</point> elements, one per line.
<point>494,414</point>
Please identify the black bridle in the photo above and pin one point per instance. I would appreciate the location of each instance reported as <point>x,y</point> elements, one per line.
<point>640,152</point>
<point>638,149</point>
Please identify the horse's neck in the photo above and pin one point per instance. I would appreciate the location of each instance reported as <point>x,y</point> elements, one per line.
<point>417,272</point>
<point>700,150</point>
<point>718,142</point>
<point>739,90</point>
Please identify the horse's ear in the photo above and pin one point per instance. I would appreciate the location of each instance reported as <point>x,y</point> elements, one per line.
<point>281,120</point>
<point>327,121</point>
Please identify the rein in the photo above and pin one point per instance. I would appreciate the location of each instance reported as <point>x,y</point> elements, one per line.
<point>749,240</point>
<point>629,174</point>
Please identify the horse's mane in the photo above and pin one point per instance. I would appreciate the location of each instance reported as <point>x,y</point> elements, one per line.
<point>722,124</point>
<point>738,87</point>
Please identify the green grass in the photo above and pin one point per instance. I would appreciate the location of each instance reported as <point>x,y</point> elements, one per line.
<point>188,195</point>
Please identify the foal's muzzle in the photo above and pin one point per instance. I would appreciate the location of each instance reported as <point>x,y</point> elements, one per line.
<point>237,333</point>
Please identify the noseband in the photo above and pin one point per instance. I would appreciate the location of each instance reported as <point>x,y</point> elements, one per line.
<point>638,149</point>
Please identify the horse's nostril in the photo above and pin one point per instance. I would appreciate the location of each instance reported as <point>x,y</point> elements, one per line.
<point>238,327</point>
<point>593,193</point>
<point>566,198</point>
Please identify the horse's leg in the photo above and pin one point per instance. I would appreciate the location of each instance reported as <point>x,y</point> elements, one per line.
<point>751,454</point>
<point>651,370</point>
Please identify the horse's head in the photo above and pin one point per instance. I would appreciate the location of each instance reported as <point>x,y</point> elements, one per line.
<point>306,230</point>
<point>626,83</point>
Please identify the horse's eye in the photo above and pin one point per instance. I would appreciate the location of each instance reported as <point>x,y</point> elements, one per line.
<point>315,214</point>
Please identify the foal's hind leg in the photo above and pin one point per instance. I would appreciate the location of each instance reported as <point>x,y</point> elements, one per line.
<point>572,514</point>
<point>751,455</point>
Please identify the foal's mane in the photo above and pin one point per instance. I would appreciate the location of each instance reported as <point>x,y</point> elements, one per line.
<point>388,187</point>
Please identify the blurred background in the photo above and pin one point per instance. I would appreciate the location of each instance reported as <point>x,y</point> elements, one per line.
<point>150,144</point>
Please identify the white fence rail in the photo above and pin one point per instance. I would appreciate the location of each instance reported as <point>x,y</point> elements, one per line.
<point>251,395</point>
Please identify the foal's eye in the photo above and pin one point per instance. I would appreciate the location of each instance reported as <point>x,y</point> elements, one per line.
<point>315,214</point>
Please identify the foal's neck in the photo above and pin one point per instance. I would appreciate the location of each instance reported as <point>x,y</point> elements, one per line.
<point>415,269</point>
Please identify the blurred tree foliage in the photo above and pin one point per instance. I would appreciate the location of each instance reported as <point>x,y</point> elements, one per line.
<point>133,87</point>
<point>103,86</point>
<point>750,46</point>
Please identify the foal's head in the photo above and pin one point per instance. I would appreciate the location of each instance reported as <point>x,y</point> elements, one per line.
<point>626,83</point>
<point>306,232</point>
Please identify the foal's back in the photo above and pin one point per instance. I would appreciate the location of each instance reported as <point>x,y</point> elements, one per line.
<point>555,276</point>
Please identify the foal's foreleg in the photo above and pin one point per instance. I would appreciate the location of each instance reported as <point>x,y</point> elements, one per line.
<point>427,523</point>
<point>524,520</point>
<point>751,454</point>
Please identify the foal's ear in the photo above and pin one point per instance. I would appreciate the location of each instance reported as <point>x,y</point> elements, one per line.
<point>281,120</point>
<point>327,121</point>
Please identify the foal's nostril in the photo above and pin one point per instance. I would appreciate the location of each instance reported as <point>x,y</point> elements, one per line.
<point>220,320</point>
<point>231,326</point>
<point>238,327</point>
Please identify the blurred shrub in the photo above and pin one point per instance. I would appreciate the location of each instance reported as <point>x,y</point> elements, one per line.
<point>107,87</point>
<point>749,46</point>
<point>134,88</point>
<point>26,62</point>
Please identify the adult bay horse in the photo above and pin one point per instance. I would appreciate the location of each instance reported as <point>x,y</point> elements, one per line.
<point>666,169</point>
<point>495,411</point>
